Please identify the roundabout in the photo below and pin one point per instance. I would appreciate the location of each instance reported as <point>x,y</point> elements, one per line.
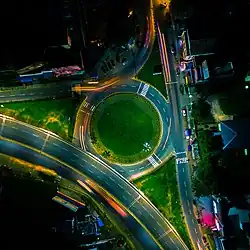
<point>160,149</point>
<point>125,128</point>
<point>79,160</point>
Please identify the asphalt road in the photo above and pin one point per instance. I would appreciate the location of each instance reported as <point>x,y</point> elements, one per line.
<point>164,148</point>
<point>27,154</point>
<point>41,92</point>
<point>179,143</point>
<point>64,88</point>
<point>130,197</point>
<point>54,147</point>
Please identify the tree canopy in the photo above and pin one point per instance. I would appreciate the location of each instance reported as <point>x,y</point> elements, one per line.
<point>222,173</point>
<point>201,110</point>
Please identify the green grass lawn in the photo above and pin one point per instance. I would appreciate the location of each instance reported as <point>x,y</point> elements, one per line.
<point>121,125</point>
<point>146,74</point>
<point>54,115</point>
<point>162,189</point>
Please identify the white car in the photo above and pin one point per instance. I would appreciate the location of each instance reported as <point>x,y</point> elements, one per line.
<point>184,112</point>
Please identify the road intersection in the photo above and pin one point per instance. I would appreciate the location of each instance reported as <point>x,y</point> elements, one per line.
<point>84,163</point>
<point>43,147</point>
<point>164,148</point>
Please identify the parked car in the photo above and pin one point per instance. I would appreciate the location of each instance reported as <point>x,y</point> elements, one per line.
<point>184,112</point>
<point>187,133</point>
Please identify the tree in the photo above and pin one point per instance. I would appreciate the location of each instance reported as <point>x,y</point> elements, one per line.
<point>201,110</point>
<point>206,181</point>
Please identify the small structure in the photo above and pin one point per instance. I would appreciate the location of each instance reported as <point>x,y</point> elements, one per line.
<point>236,133</point>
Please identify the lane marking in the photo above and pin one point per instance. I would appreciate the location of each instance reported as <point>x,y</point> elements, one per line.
<point>179,153</point>
<point>139,88</point>
<point>185,184</point>
<point>112,179</point>
<point>134,201</point>
<point>164,234</point>
<point>128,192</point>
<point>182,160</point>
<point>169,128</point>
<point>91,171</point>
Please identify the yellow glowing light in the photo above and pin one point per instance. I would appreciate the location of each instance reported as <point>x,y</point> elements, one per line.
<point>35,167</point>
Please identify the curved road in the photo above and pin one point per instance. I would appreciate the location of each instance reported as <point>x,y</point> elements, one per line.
<point>51,146</point>
<point>128,195</point>
<point>163,150</point>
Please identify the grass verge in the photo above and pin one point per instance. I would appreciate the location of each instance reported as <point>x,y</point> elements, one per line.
<point>125,128</point>
<point>162,189</point>
<point>54,115</point>
<point>146,73</point>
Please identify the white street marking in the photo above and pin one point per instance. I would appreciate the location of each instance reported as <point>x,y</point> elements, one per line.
<point>144,90</point>
<point>182,160</point>
<point>153,161</point>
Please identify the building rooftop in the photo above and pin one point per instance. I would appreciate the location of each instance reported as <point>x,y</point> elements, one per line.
<point>203,46</point>
<point>236,133</point>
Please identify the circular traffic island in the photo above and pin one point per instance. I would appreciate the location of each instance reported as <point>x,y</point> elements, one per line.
<point>125,128</point>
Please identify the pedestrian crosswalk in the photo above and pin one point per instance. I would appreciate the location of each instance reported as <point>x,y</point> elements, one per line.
<point>86,104</point>
<point>182,160</point>
<point>144,90</point>
<point>152,160</point>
